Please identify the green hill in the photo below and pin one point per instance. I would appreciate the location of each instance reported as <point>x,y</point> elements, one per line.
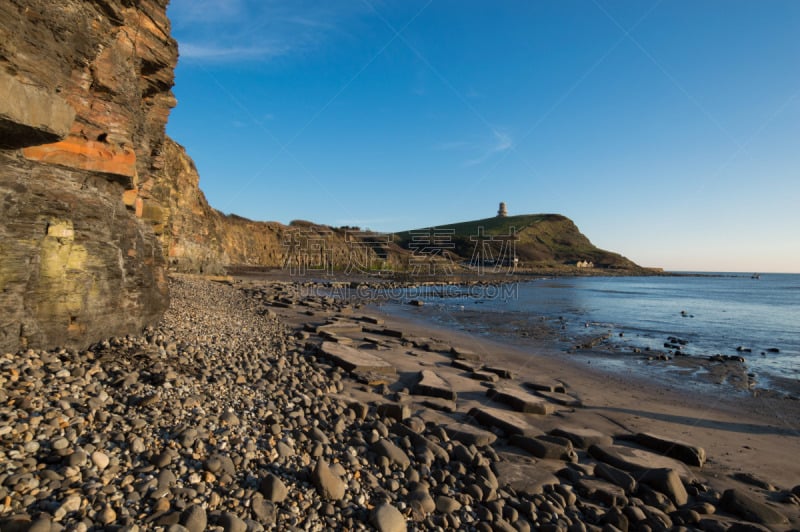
<point>540,240</point>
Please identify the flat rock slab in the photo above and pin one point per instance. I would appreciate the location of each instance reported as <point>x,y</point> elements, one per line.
<point>546,385</point>
<point>560,398</point>
<point>371,378</point>
<point>435,347</point>
<point>394,333</point>
<point>354,360</point>
<point>523,478</point>
<point>465,354</point>
<point>602,491</point>
<point>443,405</point>
<point>500,372</point>
<point>466,365</point>
<point>746,507</point>
<point>433,385</point>
<point>521,401</point>
<point>685,452</point>
<point>332,337</point>
<point>582,438</point>
<point>504,420</point>
<point>373,340</point>
<point>372,319</point>
<point>548,447</point>
<point>637,460</point>
<point>484,376</point>
<point>469,434</point>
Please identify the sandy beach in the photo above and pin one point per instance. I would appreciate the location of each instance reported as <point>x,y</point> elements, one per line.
<point>253,407</point>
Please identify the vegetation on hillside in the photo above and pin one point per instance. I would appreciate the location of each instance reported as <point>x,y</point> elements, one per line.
<point>535,240</point>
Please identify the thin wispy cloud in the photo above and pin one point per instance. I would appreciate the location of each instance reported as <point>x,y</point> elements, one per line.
<point>217,31</point>
<point>454,145</point>
<point>499,142</point>
<point>222,52</point>
<point>203,11</point>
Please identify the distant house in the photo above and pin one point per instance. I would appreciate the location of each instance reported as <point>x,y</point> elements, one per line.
<point>584,264</point>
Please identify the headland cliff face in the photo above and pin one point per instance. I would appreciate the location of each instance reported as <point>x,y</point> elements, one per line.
<point>197,238</point>
<point>86,94</point>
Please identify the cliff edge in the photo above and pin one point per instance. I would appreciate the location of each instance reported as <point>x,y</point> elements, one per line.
<point>86,94</point>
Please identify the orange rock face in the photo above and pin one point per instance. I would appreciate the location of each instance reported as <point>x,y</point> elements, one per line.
<point>88,155</point>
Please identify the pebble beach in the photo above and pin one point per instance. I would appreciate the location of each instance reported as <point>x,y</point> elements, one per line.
<point>254,407</point>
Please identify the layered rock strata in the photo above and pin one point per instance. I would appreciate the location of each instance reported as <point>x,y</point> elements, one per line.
<point>85,99</point>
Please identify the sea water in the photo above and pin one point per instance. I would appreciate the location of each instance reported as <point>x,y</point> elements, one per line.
<point>729,314</point>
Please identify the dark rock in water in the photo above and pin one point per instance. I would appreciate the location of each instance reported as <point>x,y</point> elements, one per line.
<point>416,302</point>
<point>746,507</point>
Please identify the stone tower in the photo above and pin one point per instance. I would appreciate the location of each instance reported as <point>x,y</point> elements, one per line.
<point>501,212</point>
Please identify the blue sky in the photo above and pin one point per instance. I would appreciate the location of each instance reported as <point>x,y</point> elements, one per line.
<point>669,130</point>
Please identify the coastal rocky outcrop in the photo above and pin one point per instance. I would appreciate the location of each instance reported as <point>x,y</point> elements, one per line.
<point>195,237</point>
<point>97,203</point>
<point>85,99</point>
<point>198,238</point>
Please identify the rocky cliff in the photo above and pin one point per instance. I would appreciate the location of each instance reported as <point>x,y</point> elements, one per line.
<point>85,88</point>
<point>197,238</point>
